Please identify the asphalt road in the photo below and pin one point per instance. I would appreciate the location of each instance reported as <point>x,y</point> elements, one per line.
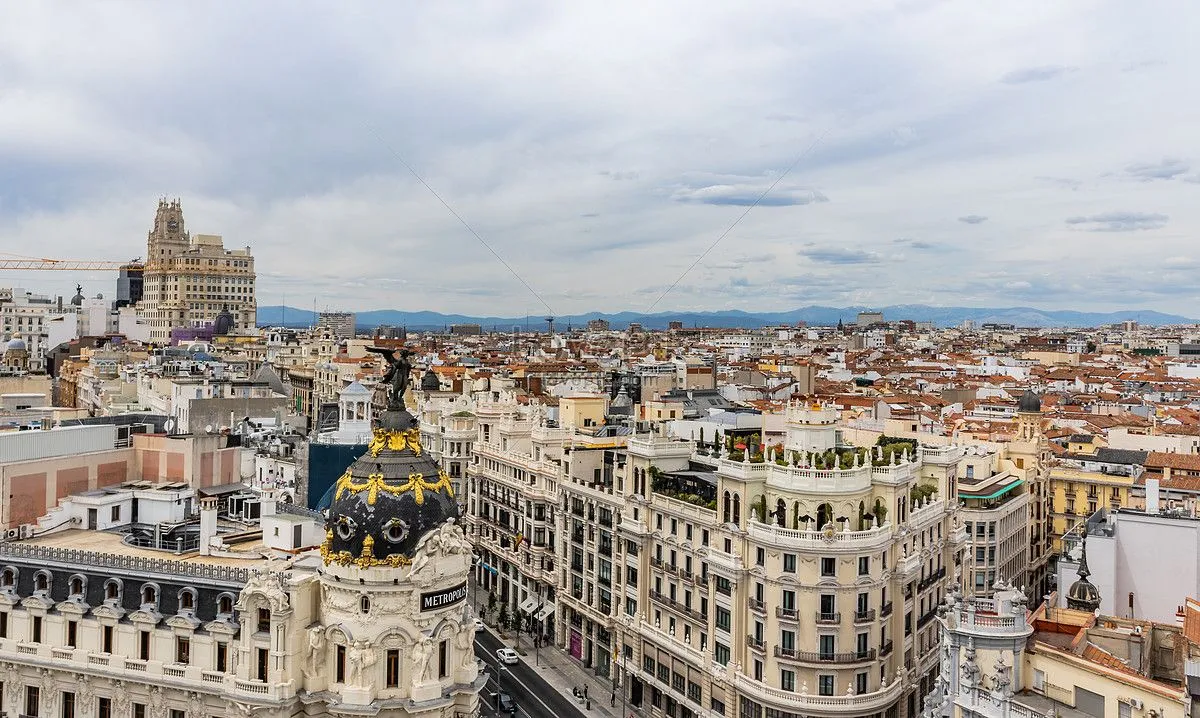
<point>535,698</point>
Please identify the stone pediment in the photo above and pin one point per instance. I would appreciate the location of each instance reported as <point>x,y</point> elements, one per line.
<point>73,607</point>
<point>41,601</point>
<point>183,621</point>
<point>146,617</point>
<point>109,610</point>
<point>223,627</point>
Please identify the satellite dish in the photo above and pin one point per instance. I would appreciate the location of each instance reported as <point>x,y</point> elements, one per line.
<point>169,425</point>
<point>208,428</point>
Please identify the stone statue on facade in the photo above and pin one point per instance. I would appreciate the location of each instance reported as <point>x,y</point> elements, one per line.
<point>422,669</point>
<point>398,375</point>
<point>121,699</point>
<point>361,658</point>
<point>315,659</point>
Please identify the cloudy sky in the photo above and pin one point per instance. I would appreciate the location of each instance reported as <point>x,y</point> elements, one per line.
<point>953,153</point>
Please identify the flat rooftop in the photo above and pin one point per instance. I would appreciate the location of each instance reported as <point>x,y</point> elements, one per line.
<point>110,542</point>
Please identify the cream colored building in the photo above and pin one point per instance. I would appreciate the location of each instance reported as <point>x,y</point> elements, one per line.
<point>663,549</point>
<point>190,280</point>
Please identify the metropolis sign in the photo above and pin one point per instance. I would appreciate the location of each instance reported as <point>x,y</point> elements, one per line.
<point>446,597</point>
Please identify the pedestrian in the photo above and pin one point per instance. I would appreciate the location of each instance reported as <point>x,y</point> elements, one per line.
<point>585,695</point>
<point>612,699</point>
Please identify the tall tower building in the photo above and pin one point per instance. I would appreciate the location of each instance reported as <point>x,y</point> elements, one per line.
<point>190,280</point>
<point>1030,451</point>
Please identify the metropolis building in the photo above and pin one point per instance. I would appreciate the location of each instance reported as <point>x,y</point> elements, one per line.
<point>364,613</point>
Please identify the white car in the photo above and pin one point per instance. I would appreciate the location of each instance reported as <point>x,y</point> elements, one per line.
<point>507,656</point>
<point>478,625</point>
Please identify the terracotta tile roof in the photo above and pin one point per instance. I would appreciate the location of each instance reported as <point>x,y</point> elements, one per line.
<point>1184,462</point>
<point>1099,656</point>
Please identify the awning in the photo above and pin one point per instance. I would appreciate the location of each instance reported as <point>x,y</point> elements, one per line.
<point>547,609</point>
<point>222,490</point>
<point>529,605</point>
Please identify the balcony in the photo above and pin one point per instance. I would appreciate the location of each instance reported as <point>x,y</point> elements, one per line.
<point>887,647</point>
<point>886,610</point>
<point>792,701</point>
<point>824,657</point>
<point>828,619</point>
<point>909,566</point>
<point>790,614</point>
<point>755,643</point>
<point>867,616</point>
<point>757,606</point>
<point>836,541</point>
<point>932,578</point>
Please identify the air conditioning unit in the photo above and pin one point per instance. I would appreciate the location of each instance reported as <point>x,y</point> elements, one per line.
<point>1135,704</point>
<point>14,533</point>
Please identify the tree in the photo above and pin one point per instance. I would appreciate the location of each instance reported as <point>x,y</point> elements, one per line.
<point>502,618</point>
<point>491,600</point>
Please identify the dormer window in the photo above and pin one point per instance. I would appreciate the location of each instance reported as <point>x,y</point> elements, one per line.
<point>112,590</point>
<point>41,582</point>
<point>149,596</point>
<point>76,585</point>
<point>225,605</point>
<point>9,578</point>
<point>187,600</point>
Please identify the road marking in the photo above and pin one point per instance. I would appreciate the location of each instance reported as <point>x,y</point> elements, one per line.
<point>513,676</point>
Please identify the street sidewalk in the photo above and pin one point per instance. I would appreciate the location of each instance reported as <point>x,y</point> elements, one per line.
<point>565,673</point>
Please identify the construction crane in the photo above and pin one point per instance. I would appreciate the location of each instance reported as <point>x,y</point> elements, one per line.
<point>17,261</point>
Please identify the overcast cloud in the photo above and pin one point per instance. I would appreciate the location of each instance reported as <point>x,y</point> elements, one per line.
<point>1029,154</point>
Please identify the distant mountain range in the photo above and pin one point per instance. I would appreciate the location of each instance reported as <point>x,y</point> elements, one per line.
<point>813,315</point>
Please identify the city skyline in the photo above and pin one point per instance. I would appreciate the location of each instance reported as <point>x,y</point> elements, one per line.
<point>960,156</point>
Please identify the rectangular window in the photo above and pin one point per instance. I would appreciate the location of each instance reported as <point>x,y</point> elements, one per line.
<point>104,709</point>
<point>787,640</point>
<point>183,650</point>
<point>176,713</point>
<point>863,602</point>
<point>144,645</point>
<point>828,604</point>
<point>261,673</point>
<point>860,644</point>
<point>106,639</point>
<point>825,685</point>
<point>443,659</point>
<point>864,565</point>
<point>860,683</point>
<point>826,646</point>
<point>73,634</point>
<point>393,669</point>
<point>721,653</point>
<point>760,557</point>
<point>139,709</point>
<point>264,620</point>
<point>789,600</point>
<point>116,513</point>
<point>828,566</point>
<point>3,624</point>
<point>68,705</point>
<point>722,618</point>
<point>32,701</point>
<point>37,629</point>
<point>787,680</point>
<point>222,656</point>
<point>789,563</point>
<point>340,665</point>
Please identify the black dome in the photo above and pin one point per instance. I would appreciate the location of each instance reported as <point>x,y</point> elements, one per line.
<point>223,323</point>
<point>1030,403</point>
<point>388,499</point>
<point>430,381</point>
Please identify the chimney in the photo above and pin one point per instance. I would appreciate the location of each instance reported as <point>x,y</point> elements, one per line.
<point>208,524</point>
<point>1151,496</point>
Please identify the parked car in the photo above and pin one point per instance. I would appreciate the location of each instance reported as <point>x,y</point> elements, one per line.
<point>507,656</point>
<point>478,625</point>
<point>505,703</point>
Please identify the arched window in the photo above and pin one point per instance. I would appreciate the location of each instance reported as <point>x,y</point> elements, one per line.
<point>781,513</point>
<point>796,515</point>
<point>187,600</point>
<point>10,577</point>
<point>364,603</point>
<point>149,595</point>
<point>112,590</point>
<point>225,604</point>
<point>42,581</point>
<point>76,585</point>
<point>824,515</point>
<point>726,513</point>
<point>737,508</point>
